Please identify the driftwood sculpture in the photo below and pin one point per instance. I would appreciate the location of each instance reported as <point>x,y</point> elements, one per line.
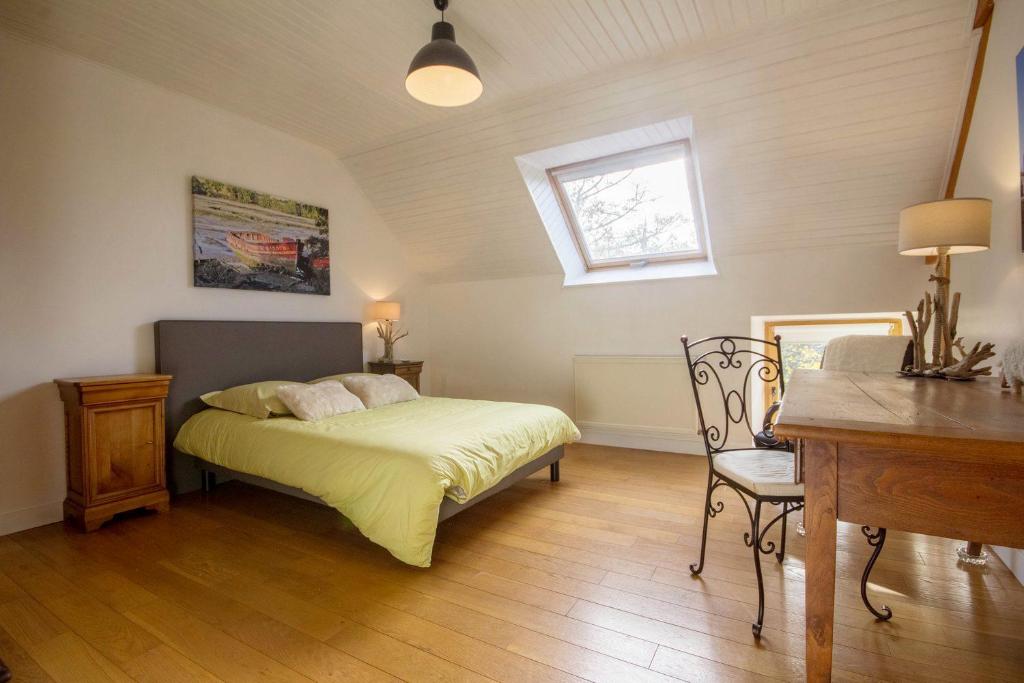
<point>919,332</point>
<point>387,331</point>
<point>944,363</point>
<point>964,368</point>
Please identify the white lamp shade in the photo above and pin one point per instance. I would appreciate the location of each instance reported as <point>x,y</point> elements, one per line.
<point>386,310</point>
<point>960,225</point>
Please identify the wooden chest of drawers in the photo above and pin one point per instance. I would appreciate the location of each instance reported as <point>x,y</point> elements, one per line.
<point>114,432</point>
<point>409,370</point>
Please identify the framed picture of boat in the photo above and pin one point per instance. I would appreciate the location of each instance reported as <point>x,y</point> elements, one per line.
<point>243,239</point>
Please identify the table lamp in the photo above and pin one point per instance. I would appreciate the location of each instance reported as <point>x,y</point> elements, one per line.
<point>387,313</point>
<point>942,228</point>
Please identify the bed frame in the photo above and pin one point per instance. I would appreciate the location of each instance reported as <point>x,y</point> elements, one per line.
<point>207,355</point>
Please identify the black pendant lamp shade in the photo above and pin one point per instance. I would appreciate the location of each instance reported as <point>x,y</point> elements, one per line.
<point>442,73</point>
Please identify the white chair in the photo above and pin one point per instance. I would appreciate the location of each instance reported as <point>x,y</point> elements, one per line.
<point>867,353</point>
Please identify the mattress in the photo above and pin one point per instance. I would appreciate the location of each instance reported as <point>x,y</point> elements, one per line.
<point>386,469</point>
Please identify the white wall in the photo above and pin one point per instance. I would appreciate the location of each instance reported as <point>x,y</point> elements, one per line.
<point>992,282</point>
<point>95,221</point>
<point>514,339</point>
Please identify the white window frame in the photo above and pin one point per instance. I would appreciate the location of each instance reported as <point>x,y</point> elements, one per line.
<point>645,156</point>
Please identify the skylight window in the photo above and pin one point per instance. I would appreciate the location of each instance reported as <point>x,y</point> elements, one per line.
<point>633,208</point>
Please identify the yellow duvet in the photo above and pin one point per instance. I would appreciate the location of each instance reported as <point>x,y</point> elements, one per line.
<point>386,469</point>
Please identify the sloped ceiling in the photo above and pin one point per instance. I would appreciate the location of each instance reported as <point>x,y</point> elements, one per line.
<point>333,71</point>
<point>814,133</point>
<point>815,120</point>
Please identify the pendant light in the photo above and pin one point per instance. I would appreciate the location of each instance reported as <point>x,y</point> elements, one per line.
<point>442,73</point>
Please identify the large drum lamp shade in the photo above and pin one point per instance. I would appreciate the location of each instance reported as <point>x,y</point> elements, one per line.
<point>956,226</point>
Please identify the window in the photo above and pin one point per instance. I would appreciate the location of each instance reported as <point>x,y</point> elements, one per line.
<point>633,208</point>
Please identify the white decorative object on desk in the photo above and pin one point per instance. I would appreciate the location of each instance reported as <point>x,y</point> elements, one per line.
<point>1013,366</point>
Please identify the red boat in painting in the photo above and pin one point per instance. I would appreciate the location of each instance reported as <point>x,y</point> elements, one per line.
<point>256,249</point>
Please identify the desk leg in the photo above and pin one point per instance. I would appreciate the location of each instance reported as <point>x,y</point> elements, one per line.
<point>820,491</point>
<point>972,554</point>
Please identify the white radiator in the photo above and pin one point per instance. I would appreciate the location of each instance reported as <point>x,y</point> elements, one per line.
<point>636,402</point>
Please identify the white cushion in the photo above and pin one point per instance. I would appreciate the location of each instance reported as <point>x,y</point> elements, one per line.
<point>765,472</point>
<point>339,378</point>
<point>312,402</point>
<point>380,390</point>
<point>258,399</point>
<point>865,353</point>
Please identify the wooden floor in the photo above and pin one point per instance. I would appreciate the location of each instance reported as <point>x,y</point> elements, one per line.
<point>583,579</point>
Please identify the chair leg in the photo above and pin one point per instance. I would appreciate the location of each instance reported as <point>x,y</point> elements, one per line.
<point>698,567</point>
<point>877,540</point>
<point>756,545</point>
<point>781,555</point>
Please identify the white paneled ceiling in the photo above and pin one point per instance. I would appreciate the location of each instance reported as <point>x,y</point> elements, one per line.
<point>333,71</point>
<point>815,120</point>
<point>813,133</point>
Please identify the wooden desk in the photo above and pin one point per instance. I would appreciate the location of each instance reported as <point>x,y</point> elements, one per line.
<point>923,455</point>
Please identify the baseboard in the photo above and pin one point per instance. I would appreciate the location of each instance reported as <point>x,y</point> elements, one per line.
<point>1013,558</point>
<point>27,518</point>
<point>645,438</point>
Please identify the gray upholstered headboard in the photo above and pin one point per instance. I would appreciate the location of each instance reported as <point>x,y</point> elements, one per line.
<point>206,355</point>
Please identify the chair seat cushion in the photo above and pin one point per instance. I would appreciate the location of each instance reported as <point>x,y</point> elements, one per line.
<point>763,471</point>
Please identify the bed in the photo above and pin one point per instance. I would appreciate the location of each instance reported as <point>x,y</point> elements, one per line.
<point>396,471</point>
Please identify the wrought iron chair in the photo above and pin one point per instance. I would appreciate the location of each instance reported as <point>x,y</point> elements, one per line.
<point>724,369</point>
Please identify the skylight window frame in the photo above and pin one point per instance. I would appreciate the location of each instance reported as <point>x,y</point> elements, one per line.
<point>634,158</point>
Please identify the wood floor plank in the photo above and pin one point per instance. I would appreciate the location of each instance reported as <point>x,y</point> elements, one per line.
<point>448,588</point>
<point>8,589</point>
<point>214,650</point>
<point>67,657</point>
<point>399,658</point>
<point>21,664</point>
<point>163,664</point>
<point>689,667</point>
<point>581,580</point>
<point>542,648</point>
<point>747,656</point>
<point>305,654</point>
<point>28,623</point>
<point>303,616</point>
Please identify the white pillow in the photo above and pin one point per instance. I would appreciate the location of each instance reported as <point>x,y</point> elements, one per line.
<point>258,399</point>
<point>380,390</point>
<point>339,378</point>
<point>312,402</point>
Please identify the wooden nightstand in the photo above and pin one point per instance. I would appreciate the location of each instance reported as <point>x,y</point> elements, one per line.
<point>114,435</point>
<point>409,370</point>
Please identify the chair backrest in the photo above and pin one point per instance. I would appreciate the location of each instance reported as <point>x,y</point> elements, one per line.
<point>723,372</point>
<point>866,353</point>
